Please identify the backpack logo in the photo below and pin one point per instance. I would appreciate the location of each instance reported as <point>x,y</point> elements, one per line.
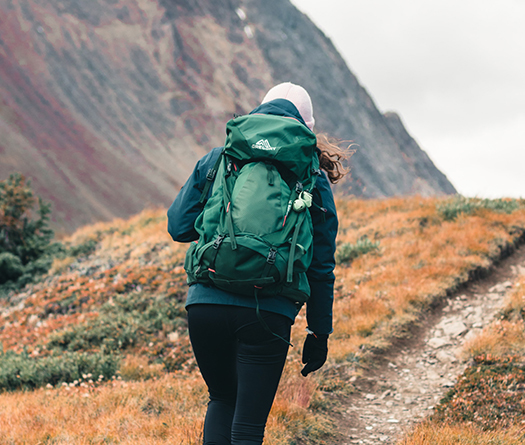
<point>263,144</point>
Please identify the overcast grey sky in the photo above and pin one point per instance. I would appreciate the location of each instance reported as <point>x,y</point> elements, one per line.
<point>455,72</point>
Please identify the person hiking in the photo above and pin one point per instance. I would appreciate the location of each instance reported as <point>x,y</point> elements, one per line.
<point>241,343</point>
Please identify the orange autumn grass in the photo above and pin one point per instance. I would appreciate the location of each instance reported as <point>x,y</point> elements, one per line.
<point>505,336</point>
<point>166,410</point>
<point>431,434</point>
<point>420,257</point>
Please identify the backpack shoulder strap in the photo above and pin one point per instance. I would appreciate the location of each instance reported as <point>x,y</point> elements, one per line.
<point>316,191</point>
<point>210,177</point>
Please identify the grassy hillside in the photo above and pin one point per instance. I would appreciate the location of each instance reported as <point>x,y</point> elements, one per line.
<point>97,352</point>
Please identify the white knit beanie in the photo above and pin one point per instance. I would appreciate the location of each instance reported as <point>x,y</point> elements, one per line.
<point>298,96</point>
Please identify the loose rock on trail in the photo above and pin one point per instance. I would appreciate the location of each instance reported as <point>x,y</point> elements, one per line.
<point>404,384</point>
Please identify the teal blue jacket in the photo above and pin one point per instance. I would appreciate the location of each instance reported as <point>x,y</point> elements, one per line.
<point>186,208</point>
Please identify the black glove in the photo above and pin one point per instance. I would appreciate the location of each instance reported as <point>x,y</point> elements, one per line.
<point>315,350</point>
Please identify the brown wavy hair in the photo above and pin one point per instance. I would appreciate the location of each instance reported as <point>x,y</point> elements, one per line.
<point>332,156</point>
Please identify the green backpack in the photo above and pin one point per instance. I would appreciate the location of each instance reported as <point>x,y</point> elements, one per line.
<point>255,231</point>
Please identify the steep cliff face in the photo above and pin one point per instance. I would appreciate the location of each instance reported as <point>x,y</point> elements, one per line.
<point>107,104</point>
<point>429,178</point>
<point>384,164</point>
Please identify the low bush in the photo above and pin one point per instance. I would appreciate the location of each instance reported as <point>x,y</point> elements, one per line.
<point>348,252</point>
<point>107,333</point>
<point>22,371</point>
<point>11,267</point>
<point>128,320</point>
<point>490,394</point>
<point>85,248</point>
<point>450,209</point>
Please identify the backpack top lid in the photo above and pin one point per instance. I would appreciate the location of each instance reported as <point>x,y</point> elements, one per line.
<point>273,138</point>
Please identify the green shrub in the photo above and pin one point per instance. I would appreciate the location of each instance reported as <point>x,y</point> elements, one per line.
<point>83,249</point>
<point>21,233</point>
<point>450,209</point>
<point>129,320</point>
<point>21,371</point>
<point>348,252</point>
<point>107,333</point>
<point>11,267</point>
<point>24,234</point>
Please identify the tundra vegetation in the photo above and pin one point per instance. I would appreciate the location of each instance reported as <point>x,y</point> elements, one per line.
<point>96,350</point>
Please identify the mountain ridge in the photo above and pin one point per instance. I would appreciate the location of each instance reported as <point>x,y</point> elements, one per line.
<point>107,105</point>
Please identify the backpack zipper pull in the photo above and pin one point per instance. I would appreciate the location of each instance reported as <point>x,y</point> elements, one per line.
<point>272,254</point>
<point>218,241</point>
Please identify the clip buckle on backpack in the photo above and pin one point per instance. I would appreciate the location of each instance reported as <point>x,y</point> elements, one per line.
<point>255,231</point>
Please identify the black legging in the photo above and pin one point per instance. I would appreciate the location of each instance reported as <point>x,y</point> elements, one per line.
<point>242,364</point>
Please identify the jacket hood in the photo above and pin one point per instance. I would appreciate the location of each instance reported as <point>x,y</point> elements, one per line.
<point>280,107</point>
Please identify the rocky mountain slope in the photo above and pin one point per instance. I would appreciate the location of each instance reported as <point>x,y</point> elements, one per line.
<point>107,104</point>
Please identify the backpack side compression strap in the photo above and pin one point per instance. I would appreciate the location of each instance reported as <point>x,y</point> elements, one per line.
<point>291,258</point>
<point>227,199</point>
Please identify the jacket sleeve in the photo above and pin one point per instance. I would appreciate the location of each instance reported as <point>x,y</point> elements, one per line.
<point>321,272</point>
<point>186,207</point>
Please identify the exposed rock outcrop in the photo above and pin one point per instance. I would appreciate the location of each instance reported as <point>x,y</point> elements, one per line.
<point>107,104</point>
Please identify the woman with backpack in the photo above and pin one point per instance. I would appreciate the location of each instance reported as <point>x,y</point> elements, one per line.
<point>240,326</point>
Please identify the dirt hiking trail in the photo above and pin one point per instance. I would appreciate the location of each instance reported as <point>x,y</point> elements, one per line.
<point>404,384</point>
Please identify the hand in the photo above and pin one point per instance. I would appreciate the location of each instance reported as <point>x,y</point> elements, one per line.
<point>315,350</point>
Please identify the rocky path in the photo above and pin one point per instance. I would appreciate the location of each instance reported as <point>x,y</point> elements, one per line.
<point>409,380</point>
